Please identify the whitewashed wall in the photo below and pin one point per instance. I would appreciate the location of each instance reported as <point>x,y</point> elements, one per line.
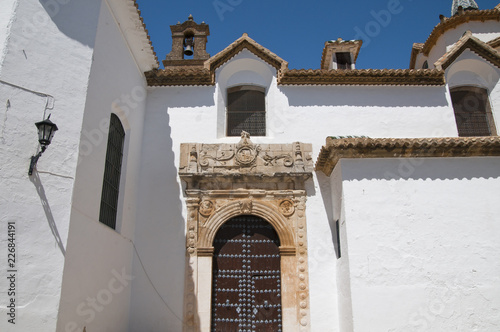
<point>98,272</point>
<point>178,115</point>
<point>49,52</point>
<point>74,58</point>
<point>7,16</point>
<point>420,243</point>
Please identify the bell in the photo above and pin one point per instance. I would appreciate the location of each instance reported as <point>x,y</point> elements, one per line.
<point>188,45</point>
<point>188,50</point>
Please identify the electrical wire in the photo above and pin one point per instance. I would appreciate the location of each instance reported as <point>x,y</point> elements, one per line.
<point>49,103</point>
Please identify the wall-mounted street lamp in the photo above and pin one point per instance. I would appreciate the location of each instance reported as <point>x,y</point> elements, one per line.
<point>46,130</point>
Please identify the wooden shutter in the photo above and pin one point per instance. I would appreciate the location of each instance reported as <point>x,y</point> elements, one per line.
<point>246,288</point>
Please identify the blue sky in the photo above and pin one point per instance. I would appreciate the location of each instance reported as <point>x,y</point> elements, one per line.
<point>297,30</point>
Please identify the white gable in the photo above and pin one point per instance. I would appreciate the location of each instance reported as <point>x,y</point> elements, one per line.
<point>471,69</point>
<point>245,68</point>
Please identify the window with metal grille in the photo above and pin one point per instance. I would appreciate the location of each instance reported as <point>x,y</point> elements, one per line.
<point>112,170</point>
<point>472,111</point>
<point>337,239</point>
<point>246,111</point>
<point>344,60</point>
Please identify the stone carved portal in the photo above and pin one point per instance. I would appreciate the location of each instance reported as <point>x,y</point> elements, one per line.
<point>267,181</point>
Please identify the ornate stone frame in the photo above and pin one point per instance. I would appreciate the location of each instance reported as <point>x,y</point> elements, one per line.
<point>247,192</point>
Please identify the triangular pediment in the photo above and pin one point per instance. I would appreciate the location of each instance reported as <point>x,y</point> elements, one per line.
<point>468,41</point>
<point>245,42</point>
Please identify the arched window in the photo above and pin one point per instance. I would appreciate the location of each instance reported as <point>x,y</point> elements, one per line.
<point>112,171</point>
<point>246,285</point>
<point>472,111</point>
<point>425,65</point>
<point>246,110</point>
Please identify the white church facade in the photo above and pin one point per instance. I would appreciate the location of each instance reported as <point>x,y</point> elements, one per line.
<point>229,192</point>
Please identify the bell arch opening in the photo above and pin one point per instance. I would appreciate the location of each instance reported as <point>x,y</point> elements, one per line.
<point>246,276</point>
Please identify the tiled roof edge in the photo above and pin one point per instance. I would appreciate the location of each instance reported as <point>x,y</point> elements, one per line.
<point>363,77</point>
<point>147,32</point>
<point>395,77</point>
<point>245,42</point>
<point>468,41</point>
<point>452,22</point>
<point>337,149</point>
<point>179,77</point>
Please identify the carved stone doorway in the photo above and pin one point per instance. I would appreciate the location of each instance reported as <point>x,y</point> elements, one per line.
<point>246,287</point>
<point>264,181</point>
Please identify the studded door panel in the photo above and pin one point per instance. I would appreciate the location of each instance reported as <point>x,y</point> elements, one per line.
<point>246,292</point>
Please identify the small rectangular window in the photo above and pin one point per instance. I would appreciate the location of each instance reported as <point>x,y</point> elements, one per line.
<point>344,60</point>
<point>246,111</point>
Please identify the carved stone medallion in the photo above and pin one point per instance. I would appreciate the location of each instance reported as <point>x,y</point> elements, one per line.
<point>287,208</point>
<point>246,155</point>
<point>206,208</point>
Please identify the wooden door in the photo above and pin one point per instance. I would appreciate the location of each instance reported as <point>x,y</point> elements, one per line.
<point>246,286</point>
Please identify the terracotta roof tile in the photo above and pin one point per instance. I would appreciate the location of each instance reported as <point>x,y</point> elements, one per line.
<point>494,43</point>
<point>362,77</point>
<point>206,75</point>
<point>179,76</point>
<point>245,42</point>
<point>452,22</point>
<point>337,149</point>
<point>147,32</point>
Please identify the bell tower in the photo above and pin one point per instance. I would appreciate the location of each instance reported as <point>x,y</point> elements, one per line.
<point>189,44</point>
<point>459,6</point>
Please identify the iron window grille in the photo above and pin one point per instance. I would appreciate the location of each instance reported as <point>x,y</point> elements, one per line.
<point>246,111</point>
<point>112,171</point>
<point>472,112</point>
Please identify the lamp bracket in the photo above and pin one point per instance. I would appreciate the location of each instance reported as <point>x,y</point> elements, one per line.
<point>34,160</point>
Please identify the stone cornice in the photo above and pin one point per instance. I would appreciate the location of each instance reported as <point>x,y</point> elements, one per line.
<point>224,166</point>
<point>337,149</point>
<point>190,24</point>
